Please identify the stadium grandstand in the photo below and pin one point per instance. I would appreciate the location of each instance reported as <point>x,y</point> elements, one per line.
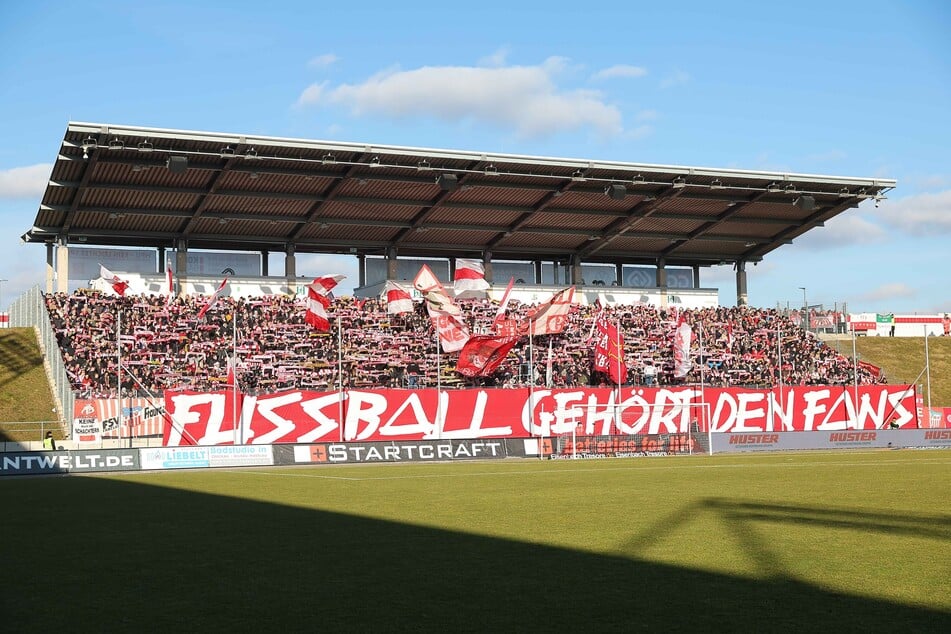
<point>188,220</point>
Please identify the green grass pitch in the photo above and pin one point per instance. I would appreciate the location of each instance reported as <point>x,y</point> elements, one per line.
<point>848,541</point>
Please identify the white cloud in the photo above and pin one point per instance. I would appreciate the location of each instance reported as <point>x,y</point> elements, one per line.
<point>647,115</point>
<point>844,230</point>
<point>322,61</point>
<point>25,182</point>
<point>524,98</point>
<point>620,71</point>
<point>918,215</point>
<point>675,79</point>
<point>888,292</point>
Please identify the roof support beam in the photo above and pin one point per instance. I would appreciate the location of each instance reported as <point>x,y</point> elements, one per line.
<point>707,226</point>
<point>635,215</point>
<point>427,211</point>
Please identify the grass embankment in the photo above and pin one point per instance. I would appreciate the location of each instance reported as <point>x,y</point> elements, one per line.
<point>24,387</point>
<point>903,359</point>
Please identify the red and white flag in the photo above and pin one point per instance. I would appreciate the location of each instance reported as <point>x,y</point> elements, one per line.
<point>398,298</point>
<point>213,299</point>
<point>318,301</point>
<point>446,316</point>
<point>682,336</point>
<point>551,317</point>
<point>326,283</point>
<point>483,354</point>
<point>170,279</point>
<point>426,280</point>
<point>504,304</point>
<point>729,336</point>
<point>470,276</point>
<point>118,284</point>
<point>609,351</point>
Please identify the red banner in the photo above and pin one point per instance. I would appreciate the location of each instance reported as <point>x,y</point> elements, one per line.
<point>305,417</point>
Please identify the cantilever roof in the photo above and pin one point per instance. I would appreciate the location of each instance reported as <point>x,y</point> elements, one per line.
<point>147,187</point>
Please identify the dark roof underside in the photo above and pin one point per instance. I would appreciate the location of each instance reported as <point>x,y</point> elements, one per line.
<point>146,187</point>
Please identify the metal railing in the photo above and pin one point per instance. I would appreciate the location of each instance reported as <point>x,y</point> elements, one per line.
<point>29,311</point>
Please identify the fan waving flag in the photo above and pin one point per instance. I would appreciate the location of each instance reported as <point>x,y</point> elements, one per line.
<point>445,315</point>
<point>470,276</point>
<point>170,279</point>
<point>609,351</point>
<point>682,336</point>
<point>318,301</point>
<point>326,283</point>
<point>118,284</point>
<point>398,298</point>
<point>213,299</point>
<point>504,304</point>
<point>551,317</point>
<point>483,354</point>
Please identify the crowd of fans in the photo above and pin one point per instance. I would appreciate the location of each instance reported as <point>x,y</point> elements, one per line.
<point>165,346</point>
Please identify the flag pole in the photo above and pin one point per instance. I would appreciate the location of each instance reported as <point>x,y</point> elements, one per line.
<point>620,354</point>
<point>438,384</point>
<point>239,433</point>
<point>119,373</point>
<point>339,377</point>
<point>531,377</point>
<point>703,364</point>
<point>855,379</point>
<point>927,370</point>
<point>779,356</point>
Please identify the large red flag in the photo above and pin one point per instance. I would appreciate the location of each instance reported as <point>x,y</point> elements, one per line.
<point>609,351</point>
<point>483,354</point>
<point>214,298</point>
<point>118,284</point>
<point>551,317</point>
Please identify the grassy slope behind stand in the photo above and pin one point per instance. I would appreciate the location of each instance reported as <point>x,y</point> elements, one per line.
<point>24,387</point>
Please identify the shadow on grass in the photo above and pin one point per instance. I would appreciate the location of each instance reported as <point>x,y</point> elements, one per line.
<point>120,556</point>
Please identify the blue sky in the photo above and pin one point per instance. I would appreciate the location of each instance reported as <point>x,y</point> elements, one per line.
<point>839,88</point>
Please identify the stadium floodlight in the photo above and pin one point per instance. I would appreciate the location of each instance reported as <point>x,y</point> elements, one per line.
<point>577,176</point>
<point>374,162</point>
<point>773,188</point>
<point>679,183</point>
<point>616,191</point>
<point>491,170</point>
<point>116,144</point>
<point>423,166</point>
<point>638,180</point>
<point>716,184</point>
<point>328,159</point>
<point>806,202</point>
<point>177,164</point>
<point>226,152</point>
<point>145,146</point>
<point>251,154</point>
<point>447,182</point>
